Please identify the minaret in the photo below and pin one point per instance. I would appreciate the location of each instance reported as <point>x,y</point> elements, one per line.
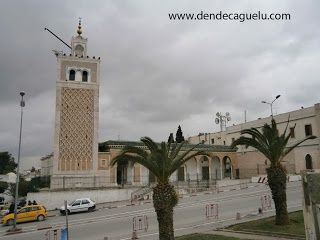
<point>77,115</point>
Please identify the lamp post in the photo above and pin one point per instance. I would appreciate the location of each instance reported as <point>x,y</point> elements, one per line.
<point>270,103</point>
<point>222,120</point>
<point>22,104</point>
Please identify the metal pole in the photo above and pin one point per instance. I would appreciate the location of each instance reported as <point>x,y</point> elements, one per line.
<point>22,104</point>
<point>245,116</point>
<point>66,211</point>
<point>271,110</point>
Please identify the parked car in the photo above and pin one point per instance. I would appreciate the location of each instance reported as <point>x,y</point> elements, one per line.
<point>79,205</point>
<point>26,214</point>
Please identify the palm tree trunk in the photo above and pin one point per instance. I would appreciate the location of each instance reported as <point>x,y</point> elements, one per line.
<point>164,199</point>
<point>277,180</point>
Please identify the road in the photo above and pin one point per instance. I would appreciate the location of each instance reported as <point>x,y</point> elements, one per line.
<point>189,216</point>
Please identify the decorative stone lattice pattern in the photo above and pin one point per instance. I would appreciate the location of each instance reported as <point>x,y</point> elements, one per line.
<point>76,129</point>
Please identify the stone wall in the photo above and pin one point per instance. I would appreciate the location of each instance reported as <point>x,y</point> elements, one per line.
<point>55,199</point>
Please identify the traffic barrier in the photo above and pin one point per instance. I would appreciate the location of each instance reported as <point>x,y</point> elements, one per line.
<point>139,223</point>
<point>53,233</point>
<point>259,179</point>
<point>266,202</point>
<point>212,211</point>
<point>262,180</point>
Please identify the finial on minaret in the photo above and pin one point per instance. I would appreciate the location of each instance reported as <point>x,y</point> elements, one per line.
<point>79,31</point>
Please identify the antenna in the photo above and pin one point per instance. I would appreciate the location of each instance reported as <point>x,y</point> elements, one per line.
<point>46,29</point>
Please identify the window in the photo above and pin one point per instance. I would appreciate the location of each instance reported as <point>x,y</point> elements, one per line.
<point>84,76</point>
<point>76,203</point>
<point>292,135</point>
<point>232,140</point>
<point>72,75</point>
<point>308,129</point>
<point>212,141</point>
<point>103,162</point>
<point>35,208</point>
<point>24,210</point>
<point>308,161</point>
<point>181,174</point>
<point>85,201</point>
<point>224,142</point>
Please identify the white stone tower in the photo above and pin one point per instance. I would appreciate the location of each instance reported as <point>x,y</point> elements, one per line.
<point>77,114</point>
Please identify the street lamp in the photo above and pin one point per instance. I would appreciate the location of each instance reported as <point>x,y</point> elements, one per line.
<point>222,120</point>
<point>270,103</point>
<point>22,104</point>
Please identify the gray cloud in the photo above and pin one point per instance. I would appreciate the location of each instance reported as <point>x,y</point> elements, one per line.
<point>156,73</point>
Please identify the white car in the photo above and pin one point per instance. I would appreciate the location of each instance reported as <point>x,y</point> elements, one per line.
<point>79,205</point>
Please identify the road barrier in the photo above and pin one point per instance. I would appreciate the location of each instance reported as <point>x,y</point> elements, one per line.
<point>262,180</point>
<point>52,233</point>
<point>140,223</point>
<point>266,202</point>
<point>212,211</point>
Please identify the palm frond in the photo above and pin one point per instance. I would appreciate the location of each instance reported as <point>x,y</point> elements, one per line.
<point>151,145</point>
<point>176,150</point>
<point>289,149</point>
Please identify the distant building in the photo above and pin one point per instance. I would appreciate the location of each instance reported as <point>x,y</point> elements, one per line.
<point>251,163</point>
<point>47,165</point>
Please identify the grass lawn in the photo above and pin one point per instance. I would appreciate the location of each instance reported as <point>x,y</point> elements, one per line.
<point>197,236</point>
<point>268,227</point>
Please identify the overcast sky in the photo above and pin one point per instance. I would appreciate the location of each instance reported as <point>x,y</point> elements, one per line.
<point>156,73</point>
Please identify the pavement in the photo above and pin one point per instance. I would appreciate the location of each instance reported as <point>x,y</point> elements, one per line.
<point>223,232</point>
<point>217,228</point>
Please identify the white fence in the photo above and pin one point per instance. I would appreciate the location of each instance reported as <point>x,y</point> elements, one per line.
<point>55,199</point>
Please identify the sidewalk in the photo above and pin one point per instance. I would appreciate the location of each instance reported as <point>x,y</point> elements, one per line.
<point>246,235</point>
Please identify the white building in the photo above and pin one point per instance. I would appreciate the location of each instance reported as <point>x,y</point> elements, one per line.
<point>250,162</point>
<point>47,165</point>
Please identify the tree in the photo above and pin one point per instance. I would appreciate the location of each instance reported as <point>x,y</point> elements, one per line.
<point>7,163</point>
<point>274,147</point>
<point>179,135</point>
<point>23,188</point>
<point>3,186</point>
<point>162,160</point>
<point>171,139</point>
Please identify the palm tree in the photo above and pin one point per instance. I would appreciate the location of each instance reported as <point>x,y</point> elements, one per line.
<point>274,147</point>
<point>162,160</point>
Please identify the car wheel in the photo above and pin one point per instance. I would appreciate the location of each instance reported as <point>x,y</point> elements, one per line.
<point>63,212</point>
<point>68,212</point>
<point>10,222</point>
<point>40,218</point>
<point>90,209</point>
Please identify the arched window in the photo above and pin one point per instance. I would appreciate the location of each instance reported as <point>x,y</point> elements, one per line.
<point>308,161</point>
<point>84,76</point>
<point>72,75</point>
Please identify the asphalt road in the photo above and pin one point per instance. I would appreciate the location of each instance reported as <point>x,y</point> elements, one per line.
<point>189,216</point>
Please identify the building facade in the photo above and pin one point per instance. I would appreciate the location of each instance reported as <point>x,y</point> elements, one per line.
<point>46,164</point>
<point>222,163</point>
<point>302,122</point>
